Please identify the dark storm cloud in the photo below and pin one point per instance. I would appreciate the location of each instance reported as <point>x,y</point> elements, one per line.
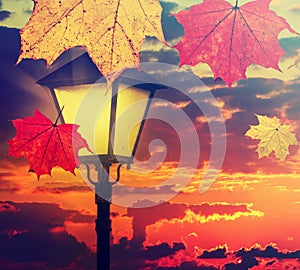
<point>192,265</point>
<point>9,46</point>
<point>250,257</point>
<point>246,263</point>
<point>270,263</point>
<point>162,250</point>
<point>7,206</point>
<point>129,254</point>
<point>268,252</point>
<point>53,249</point>
<point>128,251</point>
<point>214,254</point>
<point>27,237</point>
<point>4,14</point>
<point>45,214</point>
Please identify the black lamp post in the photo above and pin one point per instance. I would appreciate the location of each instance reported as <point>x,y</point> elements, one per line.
<point>111,122</point>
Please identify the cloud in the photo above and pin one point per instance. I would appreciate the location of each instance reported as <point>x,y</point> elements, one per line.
<point>290,45</point>
<point>124,190</point>
<point>33,233</point>
<point>154,221</point>
<point>142,217</point>
<point>59,190</point>
<point>249,98</point>
<point>255,95</point>
<point>129,253</point>
<point>168,56</point>
<point>295,9</point>
<point>245,263</point>
<point>172,29</point>
<point>47,215</point>
<point>4,14</point>
<point>268,252</point>
<point>213,254</point>
<point>9,50</point>
<point>253,257</point>
<point>53,249</point>
<point>5,206</point>
<point>207,209</point>
<point>162,250</point>
<point>262,258</point>
<point>10,189</point>
<point>15,103</point>
<point>27,11</point>
<point>191,265</point>
<point>8,186</point>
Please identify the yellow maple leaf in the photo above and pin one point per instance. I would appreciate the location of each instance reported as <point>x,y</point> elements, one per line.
<point>111,31</point>
<point>273,136</point>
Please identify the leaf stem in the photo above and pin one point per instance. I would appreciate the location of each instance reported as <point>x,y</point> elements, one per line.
<point>236,3</point>
<point>60,112</point>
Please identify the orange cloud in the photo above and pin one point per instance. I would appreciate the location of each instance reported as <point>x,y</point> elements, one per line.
<point>189,228</point>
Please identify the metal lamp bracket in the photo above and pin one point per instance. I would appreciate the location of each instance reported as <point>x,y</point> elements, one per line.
<point>100,170</point>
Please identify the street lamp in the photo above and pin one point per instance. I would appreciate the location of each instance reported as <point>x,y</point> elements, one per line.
<point>110,120</point>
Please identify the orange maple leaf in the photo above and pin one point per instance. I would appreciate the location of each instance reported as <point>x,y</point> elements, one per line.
<point>111,31</point>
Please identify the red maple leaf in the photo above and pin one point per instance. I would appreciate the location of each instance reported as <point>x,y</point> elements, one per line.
<point>45,144</point>
<point>231,38</point>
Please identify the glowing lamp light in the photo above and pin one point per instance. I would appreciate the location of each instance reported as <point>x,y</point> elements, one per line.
<point>110,120</point>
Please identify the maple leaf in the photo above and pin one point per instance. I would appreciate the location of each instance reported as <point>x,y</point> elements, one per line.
<point>45,144</point>
<point>230,38</point>
<point>111,31</point>
<point>273,135</point>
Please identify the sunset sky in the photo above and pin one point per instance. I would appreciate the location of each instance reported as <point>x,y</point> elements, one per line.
<point>248,218</point>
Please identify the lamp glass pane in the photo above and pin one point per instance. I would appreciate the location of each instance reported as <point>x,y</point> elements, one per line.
<point>89,107</point>
<point>131,105</point>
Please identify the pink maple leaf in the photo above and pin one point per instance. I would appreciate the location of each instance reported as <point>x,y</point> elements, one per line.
<point>231,38</point>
